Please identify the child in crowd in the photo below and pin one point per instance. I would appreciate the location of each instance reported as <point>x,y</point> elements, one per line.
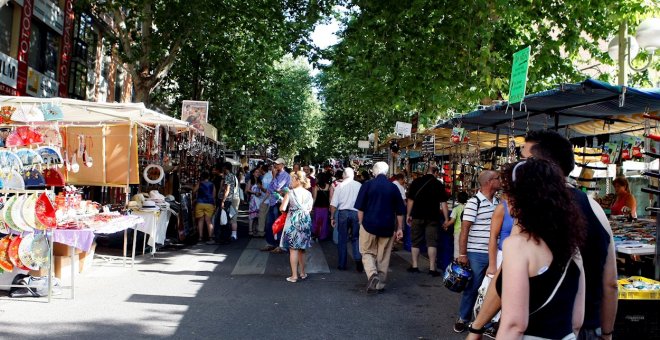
<point>455,219</point>
<point>256,196</point>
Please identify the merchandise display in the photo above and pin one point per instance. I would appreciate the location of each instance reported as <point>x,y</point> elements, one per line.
<point>639,288</point>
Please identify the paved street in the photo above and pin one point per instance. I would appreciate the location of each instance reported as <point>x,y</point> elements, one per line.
<point>236,292</point>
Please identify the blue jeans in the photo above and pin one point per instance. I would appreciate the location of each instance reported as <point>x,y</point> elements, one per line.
<point>271,216</point>
<point>445,247</point>
<point>348,220</point>
<point>479,264</point>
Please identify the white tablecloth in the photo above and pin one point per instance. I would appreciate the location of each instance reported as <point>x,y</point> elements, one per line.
<point>161,218</point>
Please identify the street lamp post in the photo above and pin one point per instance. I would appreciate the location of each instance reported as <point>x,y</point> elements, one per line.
<point>624,49</point>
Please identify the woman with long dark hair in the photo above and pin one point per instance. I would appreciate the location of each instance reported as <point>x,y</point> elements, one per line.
<point>541,282</point>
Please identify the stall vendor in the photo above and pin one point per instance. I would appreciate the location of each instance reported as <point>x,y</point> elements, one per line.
<point>625,202</point>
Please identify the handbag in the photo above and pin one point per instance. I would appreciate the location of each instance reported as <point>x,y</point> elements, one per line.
<point>278,225</point>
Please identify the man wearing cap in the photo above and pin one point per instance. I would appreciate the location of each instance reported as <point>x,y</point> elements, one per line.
<point>343,201</point>
<point>276,191</point>
<point>379,205</point>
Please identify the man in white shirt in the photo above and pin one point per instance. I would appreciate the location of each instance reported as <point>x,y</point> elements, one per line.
<point>343,200</point>
<point>399,181</point>
<point>473,242</point>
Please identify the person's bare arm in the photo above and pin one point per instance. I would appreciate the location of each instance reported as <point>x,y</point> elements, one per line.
<point>360,216</point>
<point>398,234</point>
<point>515,290</point>
<point>610,300</point>
<point>462,242</point>
<point>285,202</point>
<point>409,206</point>
<point>578,305</point>
<point>444,208</point>
<point>495,229</point>
<point>489,308</point>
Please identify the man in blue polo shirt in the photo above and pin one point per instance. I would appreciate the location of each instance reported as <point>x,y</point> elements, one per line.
<point>380,214</point>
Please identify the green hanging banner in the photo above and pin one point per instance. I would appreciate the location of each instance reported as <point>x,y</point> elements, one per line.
<point>518,81</point>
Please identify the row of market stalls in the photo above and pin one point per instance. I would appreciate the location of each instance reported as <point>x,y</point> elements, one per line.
<point>615,132</point>
<point>70,168</point>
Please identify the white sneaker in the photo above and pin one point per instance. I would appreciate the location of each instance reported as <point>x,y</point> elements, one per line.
<point>234,238</point>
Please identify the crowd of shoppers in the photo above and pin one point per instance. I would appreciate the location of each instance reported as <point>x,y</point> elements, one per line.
<point>525,231</point>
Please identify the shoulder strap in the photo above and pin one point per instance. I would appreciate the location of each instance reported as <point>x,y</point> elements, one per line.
<point>476,212</point>
<point>420,189</point>
<point>561,279</point>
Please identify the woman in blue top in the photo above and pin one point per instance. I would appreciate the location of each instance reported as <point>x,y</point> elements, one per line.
<point>500,228</point>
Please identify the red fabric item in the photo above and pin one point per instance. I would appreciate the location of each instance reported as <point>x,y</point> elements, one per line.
<point>278,225</point>
<point>45,212</point>
<point>54,178</point>
<point>5,263</point>
<point>13,253</point>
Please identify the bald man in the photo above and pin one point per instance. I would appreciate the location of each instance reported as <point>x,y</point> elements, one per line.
<point>473,242</point>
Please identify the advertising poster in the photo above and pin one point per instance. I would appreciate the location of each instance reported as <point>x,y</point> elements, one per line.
<point>196,113</point>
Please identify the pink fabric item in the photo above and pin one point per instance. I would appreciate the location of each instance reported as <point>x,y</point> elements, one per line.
<point>321,223</point>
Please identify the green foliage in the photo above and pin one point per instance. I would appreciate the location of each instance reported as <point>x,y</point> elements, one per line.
<point>437,57</point>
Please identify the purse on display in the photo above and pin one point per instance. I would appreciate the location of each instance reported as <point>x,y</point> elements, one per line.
<point>51,112</point>
<point>34,114</point>
<point>33,179</point>
<point>54,178</point>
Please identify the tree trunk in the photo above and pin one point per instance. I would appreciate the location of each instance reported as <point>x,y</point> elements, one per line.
<point>142,91</point>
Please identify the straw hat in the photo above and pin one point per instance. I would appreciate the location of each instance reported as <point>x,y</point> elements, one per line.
<point>149,205</point>
<point>133,205</point>
<point>156,196</point>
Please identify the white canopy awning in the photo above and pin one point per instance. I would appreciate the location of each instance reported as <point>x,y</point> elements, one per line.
<point>84,112</point>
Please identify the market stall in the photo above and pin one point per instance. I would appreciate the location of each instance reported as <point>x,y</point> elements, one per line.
<point>616,132</point>
<point>50,143</point>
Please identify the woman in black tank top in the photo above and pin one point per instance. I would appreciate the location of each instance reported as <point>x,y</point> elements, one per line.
<point>541,282</point>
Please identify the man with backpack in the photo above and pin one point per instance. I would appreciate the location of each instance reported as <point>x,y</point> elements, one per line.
<point>473,242</point>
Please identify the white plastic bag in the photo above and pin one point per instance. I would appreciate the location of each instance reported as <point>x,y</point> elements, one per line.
<point>483,289</point>
<point>223,217</point>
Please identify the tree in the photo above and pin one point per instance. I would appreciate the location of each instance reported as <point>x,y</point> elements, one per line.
<point>438,57</point>
<point>150,34</point>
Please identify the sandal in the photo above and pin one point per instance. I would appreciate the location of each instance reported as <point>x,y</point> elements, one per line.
<point>278,250</point>
<point>268,248</point>
<point>292,279</point>
<point>303,277</point>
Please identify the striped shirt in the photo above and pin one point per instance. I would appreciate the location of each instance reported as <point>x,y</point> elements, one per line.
<point>480,229</point>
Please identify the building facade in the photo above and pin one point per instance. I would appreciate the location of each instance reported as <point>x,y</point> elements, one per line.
<point>47,49</point>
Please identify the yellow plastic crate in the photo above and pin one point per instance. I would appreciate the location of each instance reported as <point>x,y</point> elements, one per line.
<point>634,294</point>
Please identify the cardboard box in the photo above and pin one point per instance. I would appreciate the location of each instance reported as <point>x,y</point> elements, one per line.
<point>87,259</point>
<point>60,249</point>
<point>62,267</point>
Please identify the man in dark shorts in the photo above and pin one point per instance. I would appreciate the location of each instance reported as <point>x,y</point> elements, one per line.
<point>427,211</point>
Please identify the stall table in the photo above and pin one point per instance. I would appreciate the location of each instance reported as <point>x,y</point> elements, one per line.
<point>155,225</point>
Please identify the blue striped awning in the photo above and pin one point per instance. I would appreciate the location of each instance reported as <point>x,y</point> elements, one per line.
<point>561,107</point>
